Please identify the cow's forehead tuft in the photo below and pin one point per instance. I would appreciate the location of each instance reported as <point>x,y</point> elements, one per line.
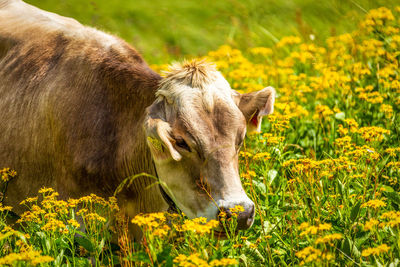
<point>195,79</point>
<point>194,73</point>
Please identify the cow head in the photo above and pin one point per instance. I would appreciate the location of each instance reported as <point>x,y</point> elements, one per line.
<point>195,129</point>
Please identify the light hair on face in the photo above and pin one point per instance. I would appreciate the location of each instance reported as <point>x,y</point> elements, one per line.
<point>194,77</point>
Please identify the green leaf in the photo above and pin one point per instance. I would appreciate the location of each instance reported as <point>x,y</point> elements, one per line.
<point>340,116</point>
<point>84,262</point>
<point>164,258</point>
<point>272,175</point>
<point>260,186</point>
<point>394,197</point>
<point>355,211</point>
<point>59,258</point>
<point>243,259</point>
<point>139,257</point>
<point>85,243</point>
<point>346,247</point>
<point>101,245</point>
<point>387,188</point>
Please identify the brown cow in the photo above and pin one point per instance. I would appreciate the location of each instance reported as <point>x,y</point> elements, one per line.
<point>80,111</point>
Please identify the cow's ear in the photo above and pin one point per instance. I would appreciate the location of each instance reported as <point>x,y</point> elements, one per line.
<point>255,105</point>
<point>158,132</point>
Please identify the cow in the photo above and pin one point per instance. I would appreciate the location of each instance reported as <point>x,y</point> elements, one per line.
<point>80,110</point>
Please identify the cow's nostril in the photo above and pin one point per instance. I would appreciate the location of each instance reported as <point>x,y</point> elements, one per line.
<point>250,218</point>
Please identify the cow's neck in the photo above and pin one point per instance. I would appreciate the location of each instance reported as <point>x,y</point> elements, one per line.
<point>134,156</point>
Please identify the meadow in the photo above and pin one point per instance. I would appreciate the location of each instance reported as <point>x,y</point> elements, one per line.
<point>323,172</point>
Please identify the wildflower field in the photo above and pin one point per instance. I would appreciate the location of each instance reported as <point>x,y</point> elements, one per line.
<point>323,173</point>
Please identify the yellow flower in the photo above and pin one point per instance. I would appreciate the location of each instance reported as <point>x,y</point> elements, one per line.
<point>392,217</point>
<point>29,200</point>
<point>262,51</point>
<point>199,225</point>
<point>375,251</point>
<point>31,256</point>
<point>372,133</point>
<point>223,262</point>
<point>193,260</point>
<point>328,238</point>
<point>374,203</point>
<point>369,225</point>
<point>288,40</point>
<point>44,190</point>
<point>322,111</point>
<point>312,230</point>
<point>262,156</point>
<point>387,109</point>
<point>236,210</point>
<point>161,231</point>
<point>311,254</point>
<point>94,217</point>
<point>74,223</point>
<point>53,225</point>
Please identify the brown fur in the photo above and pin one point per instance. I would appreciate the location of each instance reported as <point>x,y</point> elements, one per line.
<point>72,109</point>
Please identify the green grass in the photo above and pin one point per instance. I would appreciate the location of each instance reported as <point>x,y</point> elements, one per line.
<point>164,30</point>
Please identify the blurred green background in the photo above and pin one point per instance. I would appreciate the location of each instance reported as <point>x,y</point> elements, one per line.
<point>163,30</point>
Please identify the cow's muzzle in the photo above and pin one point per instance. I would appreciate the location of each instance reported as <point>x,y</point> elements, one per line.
<point>242,212</point>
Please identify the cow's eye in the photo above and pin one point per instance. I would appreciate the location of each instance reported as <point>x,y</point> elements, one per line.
<point>182,144</point>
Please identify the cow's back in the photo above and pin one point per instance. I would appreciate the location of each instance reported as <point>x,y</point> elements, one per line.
<point>70,96</point>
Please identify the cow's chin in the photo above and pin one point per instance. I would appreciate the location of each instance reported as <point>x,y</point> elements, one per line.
<point>209,212</point>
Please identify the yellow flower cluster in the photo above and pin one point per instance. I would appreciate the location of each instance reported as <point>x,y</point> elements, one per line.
<point>199,225</point>
<point>54,225</point>
<point>223,262</point>
<point>6,174</point>
<point>30,256</point>
<point>193,260</point>
<point>392,151</point>
<point>308,229</point>
<point>373,133</point>
<point>328,238</point>
<point>375,251</point>
<point>374,203</point>
<point>149,221</point>
<point>392,218</point>
<point>4,208</point>
<point>288,40</point>
<point>322,112</point>
<point>311,254</point>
